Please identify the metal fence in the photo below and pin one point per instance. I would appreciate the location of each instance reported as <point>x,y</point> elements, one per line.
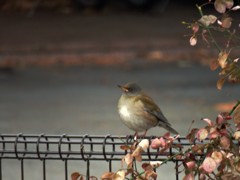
<point>65,148</point>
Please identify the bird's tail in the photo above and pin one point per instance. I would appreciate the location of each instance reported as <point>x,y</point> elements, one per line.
<point>170,129</point>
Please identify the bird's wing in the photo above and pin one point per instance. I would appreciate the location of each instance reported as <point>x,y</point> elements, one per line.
<point>151,108</point>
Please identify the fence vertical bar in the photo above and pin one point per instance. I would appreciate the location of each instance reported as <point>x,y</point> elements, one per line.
<point>110,165</point>
<point>0,168</point>
<point>88,170</point>
<point>22,169</point>
<point>66,169</point>
<point>176,167</point>
<point>44,169</point>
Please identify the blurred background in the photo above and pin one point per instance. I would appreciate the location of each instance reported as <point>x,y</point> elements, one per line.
<point>61,62</point>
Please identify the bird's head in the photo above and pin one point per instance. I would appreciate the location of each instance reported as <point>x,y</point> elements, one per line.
<point>130,89</point>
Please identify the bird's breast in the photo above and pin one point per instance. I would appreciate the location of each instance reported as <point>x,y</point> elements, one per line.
<point>124,112</point>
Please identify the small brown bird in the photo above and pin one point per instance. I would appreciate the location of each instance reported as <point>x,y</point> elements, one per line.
<point>139,112</point>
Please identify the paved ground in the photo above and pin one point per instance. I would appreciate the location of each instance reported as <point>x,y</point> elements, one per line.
<point>110,49</point>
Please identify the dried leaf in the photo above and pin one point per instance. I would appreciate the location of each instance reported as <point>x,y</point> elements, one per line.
<point>155,164</point>
<point>238,166</point>
<point>214,65</point>
<point>209,164</point>
<point>217,156</point>
<point>125,147</point>
<point>202,134</point>
<point>198,148</point>
<point>225,142</point>
<point>219,6</point>
<point>76,176</point>
<point>191,135</point>
<point>226,22</point>
<point>146,166</point>
<point>193,40</point>
<point>237,135</point>
<point>220,120</point>
<point>210,123</point>
<point>202,176</point>
<point>189,176</point>
<point>120,175</point>
<point>137,153</point>
<point>150,174</point>
<point>236,116</point>
<point>107,176</point>
<point>220,83</point>
<point>93,178</point>
<point>190,165</point>
<point>128,159</point>
<point>228,3</point>
<point>207,20</point>
<point>144,144</point>
<point>213,133</point>
<point>230,176</point>
<point>157,143</point>
<point>235,8</point>
<point>195,27</point>
<point>222,59</point>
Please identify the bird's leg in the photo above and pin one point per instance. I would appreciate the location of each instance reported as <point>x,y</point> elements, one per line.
<point>135,136</point>
<point>144,133</point>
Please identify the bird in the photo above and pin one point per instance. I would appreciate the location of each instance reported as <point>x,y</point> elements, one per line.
<point>139,112</point>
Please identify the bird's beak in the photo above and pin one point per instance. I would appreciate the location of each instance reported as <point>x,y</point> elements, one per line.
<point>123,88</point>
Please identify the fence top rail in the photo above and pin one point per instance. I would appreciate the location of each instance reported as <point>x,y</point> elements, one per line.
<point>75,147</point>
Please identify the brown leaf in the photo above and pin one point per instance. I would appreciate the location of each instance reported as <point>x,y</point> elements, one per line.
<point>147,166</point>
<point>209,165</point>
<point>128,159</point>
<point>213,133</point>
<point>125,147</point>
<point>214,65</point>
<point>144,144</point>
<point>189,176</point>
<point>190,165</point>
<point>150,174</point>
<point>220,83</point>
<point>222,5</point>
<point>119,175</point>
<point>137,153</point>
<point>198,148</point>
<point>208,121</point>
<point>107,176</point>
<point>157,143</point>
<point>226,22</point>
<point>195,27</point>
<point>220,120</point>
<point>219,6</point>
<point>237,135</point>
<point>238,166</point>
<point>191,135</point>
<point>236,116</point>
<point>230,176</point>
<point>93,178</point>
<point>222,59</point>
<point>207,20</point>
<point>225,142</point>
<point>76,176</point>
<point>155,164</point>
<point>235,8</point>
<point>193,40</point>
<point>217,156</point>
<point>202,134</point>
<point>228,3</point>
